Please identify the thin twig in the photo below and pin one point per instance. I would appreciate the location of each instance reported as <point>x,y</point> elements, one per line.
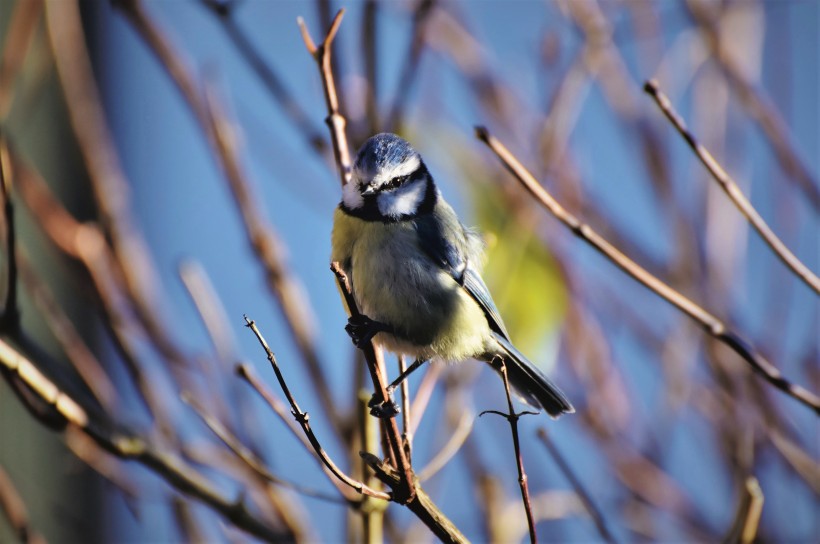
<point>512,418</point>
<point>448,451</point>
<point>747,517</point>
<point>129,445</point>
<point>224,11</point>
<point>303,419</point>
<point>732,190</point>
<point>12,505</point>
<point>20,31</point>
<point>335,120</point>
<point>10,317</point>
<point>757,104</point>
<point>710,323</point>
<point>111,188</point>
<point>256,465</point>
<point>580,490</point>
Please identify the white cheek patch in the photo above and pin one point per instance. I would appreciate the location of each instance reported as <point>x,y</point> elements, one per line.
<point>351,196</point>
<point>402,169</point>
<point>403,201</point>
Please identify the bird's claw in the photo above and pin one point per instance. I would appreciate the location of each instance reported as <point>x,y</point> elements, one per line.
<point>383,409</point>
<point>362,329</point>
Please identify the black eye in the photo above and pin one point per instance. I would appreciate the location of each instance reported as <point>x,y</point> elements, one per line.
<point>395,182</point>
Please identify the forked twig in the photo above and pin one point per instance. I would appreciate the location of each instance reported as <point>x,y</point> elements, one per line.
<point>303,419</point>
<point>710,323</point>
<point>512,418</point>
<point>335,120</point>
<point>14,509</point>
<point>731,189</point>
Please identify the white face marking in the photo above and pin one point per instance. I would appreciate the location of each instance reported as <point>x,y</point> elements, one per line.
<point>403,201</point>
<point>351,196</point>
<point>407,167</point>
<point>352,192</point>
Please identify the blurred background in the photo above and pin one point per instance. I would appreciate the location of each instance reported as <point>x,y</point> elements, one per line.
<point>671,426</point>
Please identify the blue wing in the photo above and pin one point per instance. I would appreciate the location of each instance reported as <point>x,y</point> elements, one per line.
<point>452,255</point>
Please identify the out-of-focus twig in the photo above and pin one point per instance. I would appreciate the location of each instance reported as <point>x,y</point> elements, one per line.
<point>732,190</point>
<point>410,70</point>
<point>288,290</point>
<point>128,445</point>
<point>710,323</point>
<point>747,518</point>
<point>21,30</point>
<point>303,419</point>
<point>757,104</point>
<point>111,189</point>
<point>12,505</point>
<point>462,430</point>
<point>86,243</point>
<point>10,316</point>
<point>224,11</point>
<point>256,465</point>
<point>586,498</point>
<point>88,366</point>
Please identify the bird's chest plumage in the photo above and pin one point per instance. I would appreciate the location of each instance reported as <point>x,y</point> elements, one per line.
<point>395,282</point>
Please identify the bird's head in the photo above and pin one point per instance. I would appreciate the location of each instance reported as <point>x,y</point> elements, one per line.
<point>388,179</point>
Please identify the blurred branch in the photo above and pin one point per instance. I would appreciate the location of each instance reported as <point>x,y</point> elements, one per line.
<point>288,290</point>
<point>224,12</point>
<point>21,29</point>
<point>12,505</point>
<point>221,135</point>
<point>111,189</point>
<point>448,451</point>
<point>10,317</point>
<point>732,190</point>
<point>759,107</point>
<point>131,446</point>
<point>747,518</point>
<point>86,243</point>
<point>256,465</point>
<point>303,419</point>
<point>586,498</point>
<point>710,323</point>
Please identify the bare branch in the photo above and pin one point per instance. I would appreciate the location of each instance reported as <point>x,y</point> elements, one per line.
<point>732,190</point>
<point>710,323</point>
<point>303,419</point>
<point>335,121</point>
<point>132,446</point>
<point>12,505</point>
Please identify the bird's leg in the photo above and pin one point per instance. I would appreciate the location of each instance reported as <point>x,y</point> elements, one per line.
<point>388,407</point>
<point>362,329</point>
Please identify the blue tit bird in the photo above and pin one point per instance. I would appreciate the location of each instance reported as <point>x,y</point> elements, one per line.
<point>414,271</point>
